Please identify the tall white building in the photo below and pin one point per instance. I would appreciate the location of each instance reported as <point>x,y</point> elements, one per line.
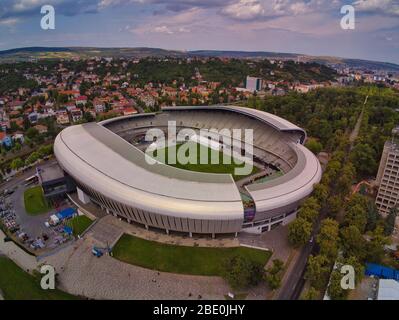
<point>253,84</point>
<point>388,175</point>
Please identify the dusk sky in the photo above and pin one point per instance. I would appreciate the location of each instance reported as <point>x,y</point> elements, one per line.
<point>299,26</point>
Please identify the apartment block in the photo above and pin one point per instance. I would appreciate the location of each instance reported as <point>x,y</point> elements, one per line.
<point>388,175</point>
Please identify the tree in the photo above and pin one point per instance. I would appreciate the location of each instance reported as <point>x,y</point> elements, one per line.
<point>328,230</point>
<point>352,242</point>
<point>88,117</point>
<point>314,145</point>
<point>33,157</point>
<point>334,205</point>
<point>311,204</point>
<point>311,294</point>
<point>299,232</point>
<point>333,168</point>
<point>17,163</point>
<point>273,274</point>
<point>308,214</point>
<point>17,146</point>
<point>372,216</point>
<point>320,192</point>
<point>242,273</point>
<point>375,247</point>
<point>45,150</point>
<point>357,265</point>
<point>390,221</point>
<point>309,209</point>
<point>13,126</point>
<point>317,271</point>
<point>356,216</point>
<point>327,238</point>
<point>363,156</point>
<point>32,133</point>
<point>335,290</point>
<point>345,179</point>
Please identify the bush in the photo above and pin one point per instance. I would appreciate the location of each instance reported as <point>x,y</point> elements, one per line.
<point>241,273</point>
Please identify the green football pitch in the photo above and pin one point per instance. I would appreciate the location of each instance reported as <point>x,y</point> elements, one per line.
<point>196,157</point>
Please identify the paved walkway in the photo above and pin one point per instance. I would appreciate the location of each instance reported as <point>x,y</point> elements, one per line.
<point>16,254</point>
<point>110,228</point>
<point>80,273</point>
<point>275,240</point>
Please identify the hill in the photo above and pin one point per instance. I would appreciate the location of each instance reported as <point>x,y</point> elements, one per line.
<point>38,53</point>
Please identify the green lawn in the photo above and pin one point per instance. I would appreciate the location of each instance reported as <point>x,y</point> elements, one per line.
<point>214,156</point>
<point>16,284</point>
<point>34,200</point>
<point>180,259</point>
<point>79,224</point>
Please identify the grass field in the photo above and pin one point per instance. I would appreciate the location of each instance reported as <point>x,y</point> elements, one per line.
<point>180,259</point>
<point>35,203</point>
<point>79,224</point>
<point>215,162</point>
<point>16,284</point>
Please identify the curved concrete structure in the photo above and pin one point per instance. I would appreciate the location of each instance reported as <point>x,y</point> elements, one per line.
<point>110,171</point>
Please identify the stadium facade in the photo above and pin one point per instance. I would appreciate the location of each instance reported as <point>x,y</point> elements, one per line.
<point>108,165</point>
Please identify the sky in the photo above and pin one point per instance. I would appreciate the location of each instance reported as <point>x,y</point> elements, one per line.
<point>296,26</point>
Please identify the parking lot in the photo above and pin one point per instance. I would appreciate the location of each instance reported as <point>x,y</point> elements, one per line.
<point>30,230</point>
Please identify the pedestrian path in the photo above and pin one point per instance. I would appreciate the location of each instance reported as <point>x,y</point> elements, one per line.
<point>16,254</point>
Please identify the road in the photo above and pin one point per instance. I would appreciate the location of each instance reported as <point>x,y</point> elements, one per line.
<point>356,129</point>
<point>17,179</point>
<point>292,288</point>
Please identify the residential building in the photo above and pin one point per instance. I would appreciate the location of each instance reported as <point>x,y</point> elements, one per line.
<point>99,106</point>
<point>5,140</point>
<point>388,175</point>
<point>41,128</point>
<point>76,115</point>
<point>62,117</point>
<point>82,100</point>
<point>33,117</point>
<point>18,137</point>
<point>129,111</point>
<point>253,84</point>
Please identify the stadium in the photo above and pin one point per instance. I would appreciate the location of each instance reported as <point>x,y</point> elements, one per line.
<point>108,164</point>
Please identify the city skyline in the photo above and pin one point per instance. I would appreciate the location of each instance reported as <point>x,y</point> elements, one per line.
<point>308,27</point>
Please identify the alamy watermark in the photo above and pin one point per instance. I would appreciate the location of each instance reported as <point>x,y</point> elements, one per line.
<point>47,281</point>
<point>348,21</point>
<point>220,146</point>
<point>348,280</point>
<point>48,20</point>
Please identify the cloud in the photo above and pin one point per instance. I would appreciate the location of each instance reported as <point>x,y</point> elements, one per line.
<point>26,8</point>
<point>169,5</point>
<point>269,9</point>
<point>163,29</point>
<point>9,22</point>
<point>388,7</point>
<point>244,9</point>
<point>196,20</point>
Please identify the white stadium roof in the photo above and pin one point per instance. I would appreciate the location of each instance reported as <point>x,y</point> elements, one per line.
<point>114,167</point>
<point>99,158</point>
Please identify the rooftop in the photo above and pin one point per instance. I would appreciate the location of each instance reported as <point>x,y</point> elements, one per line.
<point>50,173</point>
<point>388,289</point>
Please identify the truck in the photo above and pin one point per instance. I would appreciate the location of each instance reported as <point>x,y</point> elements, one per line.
<point>99,252</point>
